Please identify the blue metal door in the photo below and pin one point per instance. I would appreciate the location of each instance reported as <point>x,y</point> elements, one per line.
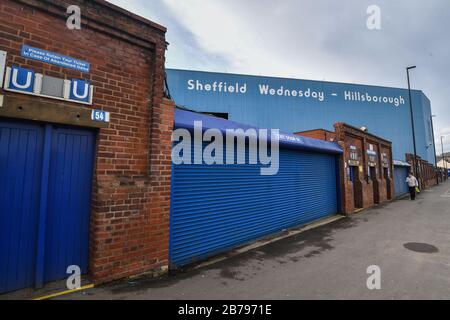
<point>45,189</point>
<point>21,148</point>
<point>218,207</point>
<point>69,201</point>
<point>400,175</point>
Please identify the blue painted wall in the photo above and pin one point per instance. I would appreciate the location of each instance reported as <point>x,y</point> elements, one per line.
<point>291,113</point>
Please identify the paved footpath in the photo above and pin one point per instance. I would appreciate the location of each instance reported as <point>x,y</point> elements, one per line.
<point>329,262</point>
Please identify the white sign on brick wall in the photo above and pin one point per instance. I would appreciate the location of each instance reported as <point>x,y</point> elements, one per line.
<point>2,67</point>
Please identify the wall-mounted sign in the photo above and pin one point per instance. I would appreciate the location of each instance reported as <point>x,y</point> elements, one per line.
<point>26,81</point>
<point>100,116</point>
<point>55,59</point>
<point>2,66</point>
<point>385,160</point>
<point>353,163</point>
<point>371,153</point>
<point>354,157</point>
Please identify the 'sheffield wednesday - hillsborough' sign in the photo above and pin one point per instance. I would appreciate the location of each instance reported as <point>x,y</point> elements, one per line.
<point>55,59</point>
<point>264,89</point>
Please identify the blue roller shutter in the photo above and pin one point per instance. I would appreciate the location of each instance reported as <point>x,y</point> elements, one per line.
<point>218,207</point>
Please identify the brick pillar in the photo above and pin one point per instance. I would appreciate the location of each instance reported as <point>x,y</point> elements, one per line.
<point>130,214</point>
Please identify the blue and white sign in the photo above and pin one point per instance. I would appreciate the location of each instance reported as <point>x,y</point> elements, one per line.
<point>26,81</point>
<point>100,116</point>
<point>20,79</point>
<point>80,90</point>
<point>55,59</point>
<point>294,105</point>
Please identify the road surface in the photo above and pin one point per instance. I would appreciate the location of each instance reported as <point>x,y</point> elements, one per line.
<point>408,241</point>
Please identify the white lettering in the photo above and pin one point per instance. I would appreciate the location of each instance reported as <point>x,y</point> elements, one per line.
<point>181,152</point>
<point>374,281</point>
<point>27,83</point>
<point>191,85</point>
<point>74,281</point>
<point>85,92</point>
<point>74,21</point>
<point>374,19</point>
<point>237,142</point>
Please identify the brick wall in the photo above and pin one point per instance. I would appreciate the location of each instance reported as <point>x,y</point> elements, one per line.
<point>426,171</point>
<point>320,134</point>
<point>129,232</point>
<point>364,191</point>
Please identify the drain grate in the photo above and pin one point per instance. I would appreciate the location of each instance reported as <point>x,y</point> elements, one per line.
<point>421,247</point>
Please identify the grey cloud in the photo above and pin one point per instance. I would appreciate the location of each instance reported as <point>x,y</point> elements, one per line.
<point>328,39</point>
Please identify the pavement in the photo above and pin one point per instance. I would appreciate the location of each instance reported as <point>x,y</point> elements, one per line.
<point>409,241</point>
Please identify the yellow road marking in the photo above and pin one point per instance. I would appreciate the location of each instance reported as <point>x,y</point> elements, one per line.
<point>89,286</point>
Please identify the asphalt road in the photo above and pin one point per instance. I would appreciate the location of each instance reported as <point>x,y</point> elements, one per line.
<point>329,262</point>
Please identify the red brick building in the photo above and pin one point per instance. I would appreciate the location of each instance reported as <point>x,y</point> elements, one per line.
<point>366,167</point>
<point>427,173</point>
<point>130,198</point>
<point>320,134</point>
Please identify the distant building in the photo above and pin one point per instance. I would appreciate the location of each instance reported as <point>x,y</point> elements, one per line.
<point>444,164</point>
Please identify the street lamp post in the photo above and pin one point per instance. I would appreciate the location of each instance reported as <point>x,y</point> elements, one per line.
<point>412,123</point>
<point>434,148</point>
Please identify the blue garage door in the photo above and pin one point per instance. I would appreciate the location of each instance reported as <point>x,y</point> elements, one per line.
<point>218,207</point>
<point>45,189</point>
<point>400,175</point>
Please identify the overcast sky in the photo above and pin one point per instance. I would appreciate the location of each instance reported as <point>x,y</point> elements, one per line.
<point>313,39</point>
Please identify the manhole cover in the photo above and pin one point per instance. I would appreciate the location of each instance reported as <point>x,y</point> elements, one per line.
<point>421,247</point>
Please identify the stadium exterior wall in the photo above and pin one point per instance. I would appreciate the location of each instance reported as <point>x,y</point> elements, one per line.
<point>298,105</point>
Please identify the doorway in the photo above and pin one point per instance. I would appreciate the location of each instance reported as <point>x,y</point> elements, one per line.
<point>373,177</point>
<point>354,178</point>
<point>388,183</point>
<point>45,199</point>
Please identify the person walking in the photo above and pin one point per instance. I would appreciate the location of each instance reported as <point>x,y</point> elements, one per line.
<point>412,185</point>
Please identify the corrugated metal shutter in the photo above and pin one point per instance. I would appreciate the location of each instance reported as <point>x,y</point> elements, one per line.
<point>218,207</point>
<point>400,175</point>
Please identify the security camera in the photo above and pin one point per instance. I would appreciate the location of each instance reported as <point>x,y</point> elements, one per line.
<point>364,129</point>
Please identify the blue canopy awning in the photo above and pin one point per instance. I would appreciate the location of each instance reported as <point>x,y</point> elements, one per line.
<point>185,119</point>
<point>399,163</point>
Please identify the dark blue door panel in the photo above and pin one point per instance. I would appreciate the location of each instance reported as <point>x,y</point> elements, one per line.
<point>400,175</point>
<point>69,199</point>
<point>20,176</point>
<point>44,204</point>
